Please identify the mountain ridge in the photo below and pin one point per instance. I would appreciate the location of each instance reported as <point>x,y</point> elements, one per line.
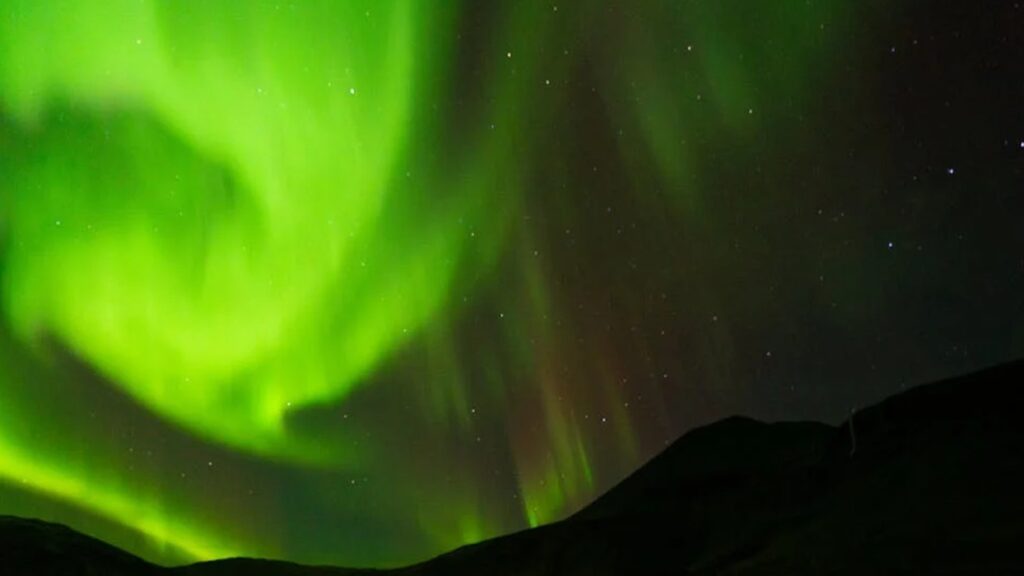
<point>926,480</point>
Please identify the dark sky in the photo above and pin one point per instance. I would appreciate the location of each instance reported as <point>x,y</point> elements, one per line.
<point>356,283</point>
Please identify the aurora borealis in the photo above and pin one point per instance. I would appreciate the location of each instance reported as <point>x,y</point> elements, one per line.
<point>357,282</point>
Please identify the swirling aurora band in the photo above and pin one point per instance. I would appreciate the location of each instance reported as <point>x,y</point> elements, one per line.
<point>274,265</point>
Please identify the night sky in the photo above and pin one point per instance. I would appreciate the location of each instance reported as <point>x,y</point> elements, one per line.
<point>359,282</point>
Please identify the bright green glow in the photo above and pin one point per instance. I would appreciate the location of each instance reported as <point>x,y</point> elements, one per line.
<point>239,210</point>
<point>218,206</point>
<point>233,260</point>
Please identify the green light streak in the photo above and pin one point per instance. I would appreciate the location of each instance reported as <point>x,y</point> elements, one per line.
<point>122,505</point>
<point>76,466</point>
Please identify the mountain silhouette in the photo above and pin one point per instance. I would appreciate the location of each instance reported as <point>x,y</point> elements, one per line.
<point>926,482</point>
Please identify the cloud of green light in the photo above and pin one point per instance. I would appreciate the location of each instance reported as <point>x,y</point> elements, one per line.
<point>238,212</point>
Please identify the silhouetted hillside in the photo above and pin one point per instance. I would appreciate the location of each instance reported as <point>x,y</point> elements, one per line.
<point>926,482</point>
<point>36,547</point>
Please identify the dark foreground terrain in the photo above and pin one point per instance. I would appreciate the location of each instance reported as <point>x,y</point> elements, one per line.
<point>930,481</point>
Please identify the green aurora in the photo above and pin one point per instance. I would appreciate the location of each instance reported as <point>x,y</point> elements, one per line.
<point>245,250</point>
